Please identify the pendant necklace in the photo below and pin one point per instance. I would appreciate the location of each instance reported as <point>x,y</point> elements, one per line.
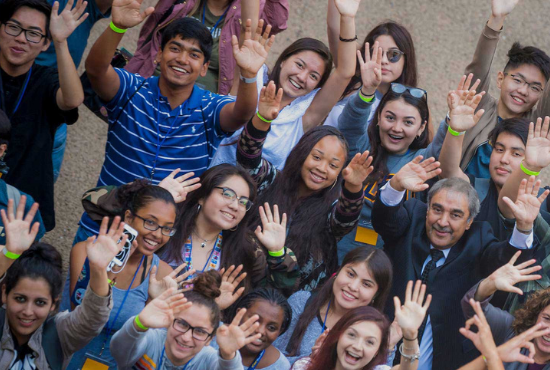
<point>204,241</point>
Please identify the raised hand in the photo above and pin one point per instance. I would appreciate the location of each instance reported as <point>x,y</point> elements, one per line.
<point>501,8</point>
<point>127,13</point>
<point>358,169</point>
<point>527,205</point>
<point>102,249</point>
<point>414,174</point>
<point>537,149</point>
<point>347,8</point>
<point>371,68</point>
<point>511,351</point>
<point>19,233</point>
<point>181,186</point>
<point>172,280</point>
<point>252,54</point>
<point>270,102</point>
<point>235,336</point>
<point>160,312</point>
<point>509,275</point>
<point>412,313</point>
<point>63,25</point>
<point>230,281</point>
<point>318,343</point>
<point>396,334</point>
<point>463,103</point>
<point>272,233</point>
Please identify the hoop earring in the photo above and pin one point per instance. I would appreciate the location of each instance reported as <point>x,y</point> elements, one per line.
<point>235,228</point>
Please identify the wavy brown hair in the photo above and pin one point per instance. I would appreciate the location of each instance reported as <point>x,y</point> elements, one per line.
<point>526,317</point>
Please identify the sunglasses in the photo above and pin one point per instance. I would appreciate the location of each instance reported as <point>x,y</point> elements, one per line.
<point>393,55</point>
<point>414,91</point>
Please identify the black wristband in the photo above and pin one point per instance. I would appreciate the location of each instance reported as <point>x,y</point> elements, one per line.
<point>348,40</point>
<point>410,340</point>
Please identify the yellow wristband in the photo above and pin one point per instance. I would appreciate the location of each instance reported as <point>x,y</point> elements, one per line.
<point>528,171</point>
<point>139,324</point>
<point>116,29</point>
<point>455,133</point>
<point>262,118</point>
<point>10,255</point>
<point>366,99</point>
<point>277,253</point>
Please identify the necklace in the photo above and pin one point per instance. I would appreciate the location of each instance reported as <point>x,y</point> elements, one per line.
<point>204,241</point>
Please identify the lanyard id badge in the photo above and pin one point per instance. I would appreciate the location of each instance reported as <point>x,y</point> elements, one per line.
<point>93,362</point>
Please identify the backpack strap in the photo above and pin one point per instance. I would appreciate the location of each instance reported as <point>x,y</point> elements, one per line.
<point>482,188</point>
<point>14,194</point>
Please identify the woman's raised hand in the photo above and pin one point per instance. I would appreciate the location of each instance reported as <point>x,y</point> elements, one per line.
<point>230,281</point>
<point>371,68</point>
<point>102,249</point>
<point>172,280</point>
<point>161,311</point>
<point>509,275</point>
<point>511,351</point>
<point>181,186</point>
<point>412,313</point>
<point>235,336</point>
<point>252,54</point>
<point>358,169</point>
<point>347,8</point>
<point>414,174</point>
<point>272,233</point>
<point>269,103</point>
<point>463,103</point>
<point>19,232</point>
<point>127,13</point>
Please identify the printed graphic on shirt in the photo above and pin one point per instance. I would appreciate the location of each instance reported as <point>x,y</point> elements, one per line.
<point>145,363</point>
<point>371,189</point>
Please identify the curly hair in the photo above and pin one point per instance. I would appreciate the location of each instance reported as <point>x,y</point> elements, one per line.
<point>526,317</point>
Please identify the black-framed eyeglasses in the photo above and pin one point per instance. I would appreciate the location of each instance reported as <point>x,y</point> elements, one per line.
<point>534,87</point>
<point>152,225</point>
<point>183,327</point>
<point>15,30</point>
<point>414,91</point>
<point>230,196</point>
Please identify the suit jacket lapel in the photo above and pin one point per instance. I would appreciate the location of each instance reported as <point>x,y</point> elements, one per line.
<point>421,251</point>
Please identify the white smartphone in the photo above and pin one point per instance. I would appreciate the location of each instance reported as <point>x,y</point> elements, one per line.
<point>122,256</point>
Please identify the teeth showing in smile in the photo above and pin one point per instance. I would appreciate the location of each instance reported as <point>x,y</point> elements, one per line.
<point>228,215</point>
<point>295,84</point>
<point>347,295</point>
<point>518,100</point>
<point>26,321</point>
<point>395,137</point>
<point>319,178</point>
<point>150,242</point>
<point>179,69</point>
<point>546,338</point>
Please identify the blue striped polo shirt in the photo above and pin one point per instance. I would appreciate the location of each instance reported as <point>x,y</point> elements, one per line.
<point>148,139</point>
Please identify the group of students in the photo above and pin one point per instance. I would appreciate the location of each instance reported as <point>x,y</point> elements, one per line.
<point>303,216</point>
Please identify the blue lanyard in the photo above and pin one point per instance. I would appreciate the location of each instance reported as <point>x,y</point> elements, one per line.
<point>209,256</point>
<point>213,29</point>
<point>21,93</point>
<point>110,327</point>
<point>162,358</point>
<point>257,361</point>
<point>325,321</point>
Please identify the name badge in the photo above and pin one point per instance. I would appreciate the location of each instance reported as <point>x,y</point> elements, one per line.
<point>366,235</point>
<point>95,363</point>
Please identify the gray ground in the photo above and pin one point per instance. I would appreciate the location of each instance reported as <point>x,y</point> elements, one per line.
<point>444,32</point>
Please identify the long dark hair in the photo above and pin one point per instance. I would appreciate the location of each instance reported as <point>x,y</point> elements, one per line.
<point>381,269</point>
<point>233,241</point>
<point>303,44</point>
<point>139,194</point>
<point>378,152</point>
<point>404,42</point>
<point>308,234</point>
<point>327,355</point>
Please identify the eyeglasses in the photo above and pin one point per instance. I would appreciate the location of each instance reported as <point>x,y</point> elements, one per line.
<point>13,29</point>
<point>153,226</point>
<point>198,333</point>
<point>533,86</point>
<point>230,196</point>
<point>415,92</point>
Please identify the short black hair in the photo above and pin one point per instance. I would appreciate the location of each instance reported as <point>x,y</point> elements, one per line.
<point>5,128</point>
<point>518,127</point>
<point>189,29</point>
<point>9,7</point>
<point>531,55</point>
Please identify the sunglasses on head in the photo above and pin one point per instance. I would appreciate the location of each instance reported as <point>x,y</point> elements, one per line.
<point>414,91</point>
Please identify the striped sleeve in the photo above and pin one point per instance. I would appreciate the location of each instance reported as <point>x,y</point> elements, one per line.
<point>345,213</point>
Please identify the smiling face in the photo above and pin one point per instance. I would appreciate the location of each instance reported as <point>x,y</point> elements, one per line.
<point>162,213</point>
<point>301,73</point>
<point>271,321</point>
<point>218,211</point>
<point>447,218</point>
<point>358,345</point>
<point>181,347</point>
<point>516,97</point>
<point>323,164</point>
<point>354,286</point>
<point>507,154</point>
<point>399,123</point>
<point>542,344</point>
<point>16,53</point>
<point>181,62</point>
<point>27,306</point>
<point>390,71</point>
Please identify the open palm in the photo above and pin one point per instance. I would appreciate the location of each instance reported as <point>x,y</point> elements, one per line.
<point>410,315</point>
<point>527,205</point>
<point>272,233</point>
<point>228,288</point>
<point>251,56</point>
<point>537,150</point>
<point>347,7</point>
<point>63,25</point>
<point>160,312</point>
<point>127,13</point>
<point>414,174</point>
<point>509,275</point>
<point>19,232</point>
<point>503,7</point>
<point>233,337</point>
<point>463,110</point>
<point>371,68</point>
<point>270,101</point>
<point>358,169</point>
<point>102,249</point>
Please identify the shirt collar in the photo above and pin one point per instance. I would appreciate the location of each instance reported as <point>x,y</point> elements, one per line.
<point>193,102</point>
<point>445,251</point>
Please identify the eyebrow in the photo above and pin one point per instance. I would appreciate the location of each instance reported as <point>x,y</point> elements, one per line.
<point>370,336</point>
<point>389,111</point>
<point>355,272</point>
<point>532,83</point>
<point>179,44</point>
<point>30,28</point>
<point>323,153</point>
<point>301,60</point>
<point>513,148</point>
<point>455,210</point>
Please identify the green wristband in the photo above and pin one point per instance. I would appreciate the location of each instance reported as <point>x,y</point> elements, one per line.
<point>528,171</point>
<point>277,253</point>
<point>10,255</point>
<point>116,29</point>
<point>139,324</point>
<point>366,99</point>
<point>262,118</point>
<point>455,133</point>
